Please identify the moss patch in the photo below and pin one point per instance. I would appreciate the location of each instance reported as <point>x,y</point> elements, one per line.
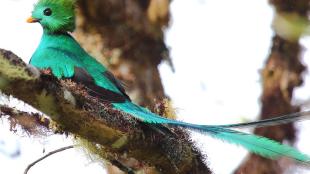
<point>7,69</point>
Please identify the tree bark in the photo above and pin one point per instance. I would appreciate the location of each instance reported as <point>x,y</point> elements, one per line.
<point>281,75</point>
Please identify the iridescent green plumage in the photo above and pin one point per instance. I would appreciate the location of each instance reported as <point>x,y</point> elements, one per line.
<point>60,52</point>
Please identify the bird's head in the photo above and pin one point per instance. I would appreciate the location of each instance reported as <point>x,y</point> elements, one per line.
<point>54,15</point>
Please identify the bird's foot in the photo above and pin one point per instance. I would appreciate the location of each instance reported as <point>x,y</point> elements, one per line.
<point>46,71</point>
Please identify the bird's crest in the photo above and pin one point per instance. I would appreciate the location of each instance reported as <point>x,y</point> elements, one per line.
<point>61,15</point>
<point>65,3</point>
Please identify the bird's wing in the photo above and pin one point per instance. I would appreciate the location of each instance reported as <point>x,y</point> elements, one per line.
<point>116,82</point>
<point>81,76</point>
<point>97,84</point>
<point>288,118</point>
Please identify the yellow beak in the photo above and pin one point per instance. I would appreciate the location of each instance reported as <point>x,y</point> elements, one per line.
<point>32,20</point>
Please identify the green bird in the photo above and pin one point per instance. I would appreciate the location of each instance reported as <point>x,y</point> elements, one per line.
<point>62,54</point>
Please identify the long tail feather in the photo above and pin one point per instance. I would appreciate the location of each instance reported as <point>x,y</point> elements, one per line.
<point>260,145</point>
<point>288,118</point>
<point>256,144</point>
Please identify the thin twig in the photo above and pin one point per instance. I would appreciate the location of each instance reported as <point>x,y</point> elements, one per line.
<point>122,167</point>
<point>45,156</point>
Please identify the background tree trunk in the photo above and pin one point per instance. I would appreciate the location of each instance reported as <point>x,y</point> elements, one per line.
<point>281,75</point>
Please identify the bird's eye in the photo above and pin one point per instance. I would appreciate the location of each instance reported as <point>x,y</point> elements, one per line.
<point>47,12</point>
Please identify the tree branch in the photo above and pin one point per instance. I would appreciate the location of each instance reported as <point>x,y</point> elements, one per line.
<point>31,123</point>
<point>115,135</point>
<point>45,156</point>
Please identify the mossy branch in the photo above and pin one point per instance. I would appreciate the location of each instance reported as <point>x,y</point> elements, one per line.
<point>112,135</point>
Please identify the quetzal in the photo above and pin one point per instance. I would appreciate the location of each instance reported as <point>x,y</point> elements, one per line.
<point>61,53</point>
